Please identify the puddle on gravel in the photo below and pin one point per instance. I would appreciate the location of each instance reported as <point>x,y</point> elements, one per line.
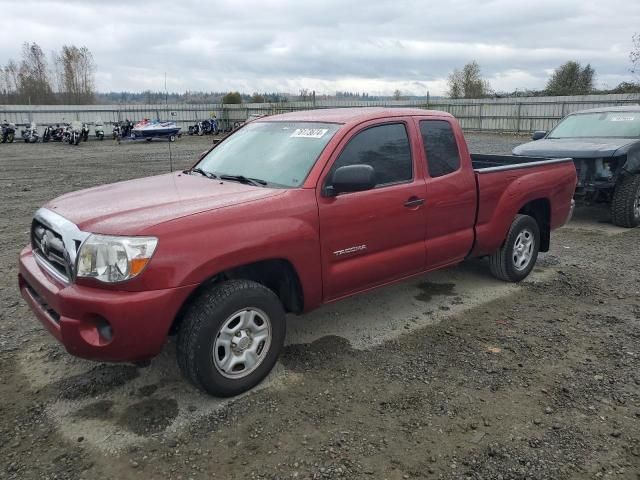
<point>98,380</point>
<point>151,415</point>
<point>100,410</point>
<point>430,290</point>
<point>147,390</point>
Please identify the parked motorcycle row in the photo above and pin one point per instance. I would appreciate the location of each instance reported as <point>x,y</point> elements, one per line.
<point>72,133</point>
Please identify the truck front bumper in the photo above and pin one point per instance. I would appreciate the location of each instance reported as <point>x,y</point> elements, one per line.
<point>100,324</point>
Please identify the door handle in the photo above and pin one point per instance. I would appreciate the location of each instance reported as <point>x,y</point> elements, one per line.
<point>414,202</point>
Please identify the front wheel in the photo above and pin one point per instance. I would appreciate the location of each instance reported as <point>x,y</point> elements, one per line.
<point>10,137</point>
<point>517,256</point>
<point>230,337</point>
<point>625,206</point>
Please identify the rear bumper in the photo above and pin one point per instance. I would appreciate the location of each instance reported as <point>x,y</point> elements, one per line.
<point>78,316</point>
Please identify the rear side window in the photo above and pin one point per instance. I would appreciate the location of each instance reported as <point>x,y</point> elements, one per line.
<point>440,147</point>
<point>385,148</point>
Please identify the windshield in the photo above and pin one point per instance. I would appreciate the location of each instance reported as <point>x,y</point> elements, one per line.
<point>603,124</point>
<point>280,153</point>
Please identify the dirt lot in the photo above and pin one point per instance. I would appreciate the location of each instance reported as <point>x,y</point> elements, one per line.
<point>453,375</point>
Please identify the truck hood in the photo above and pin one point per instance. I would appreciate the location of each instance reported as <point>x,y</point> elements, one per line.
<point>575,147</point>
<point>126,208</point>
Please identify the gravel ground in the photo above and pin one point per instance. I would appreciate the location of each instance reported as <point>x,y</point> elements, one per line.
<point>472,379</point>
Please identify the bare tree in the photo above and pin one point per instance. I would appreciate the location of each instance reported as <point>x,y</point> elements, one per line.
<point>77,74</point>
<point>33,84</point>
<point>468,82</point>
<point>9,81</point>
<point>304,94</point>
<point>397,95</point>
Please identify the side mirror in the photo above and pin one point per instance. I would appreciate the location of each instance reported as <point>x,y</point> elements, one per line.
<point>351,178</point>
<point>538,135</point>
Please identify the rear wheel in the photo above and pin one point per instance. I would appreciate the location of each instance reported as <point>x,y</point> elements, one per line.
<point>625,206</point>
<point>10,137</point>
<point>230,337</point>
<point>518,254</point>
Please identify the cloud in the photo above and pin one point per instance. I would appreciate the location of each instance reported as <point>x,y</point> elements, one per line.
<point>278,45</point>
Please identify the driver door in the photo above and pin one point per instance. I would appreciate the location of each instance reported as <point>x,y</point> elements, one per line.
<point>372,237</point>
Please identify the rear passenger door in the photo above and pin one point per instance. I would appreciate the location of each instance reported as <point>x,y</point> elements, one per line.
<point>451,193</point>
<point>372,237</point>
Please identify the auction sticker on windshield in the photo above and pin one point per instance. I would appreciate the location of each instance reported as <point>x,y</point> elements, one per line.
<point>622,118</point>
<point>309,132</point>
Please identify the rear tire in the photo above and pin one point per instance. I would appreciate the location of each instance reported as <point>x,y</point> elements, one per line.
<point>517,256</point>
<point>625,206</point>
<point>201,347</point>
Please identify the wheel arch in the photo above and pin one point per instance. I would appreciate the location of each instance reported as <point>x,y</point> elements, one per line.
<point>277,274</point>
<point>540,210</point>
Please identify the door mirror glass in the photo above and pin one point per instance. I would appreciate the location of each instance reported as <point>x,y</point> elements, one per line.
<point>538,135</point>
<point>351,178</point>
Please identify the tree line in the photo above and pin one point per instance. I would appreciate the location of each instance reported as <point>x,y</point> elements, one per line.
<point>68,77</point>
<point>570,78</point>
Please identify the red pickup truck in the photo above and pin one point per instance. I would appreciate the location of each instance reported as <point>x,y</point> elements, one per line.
<point>286,214</point>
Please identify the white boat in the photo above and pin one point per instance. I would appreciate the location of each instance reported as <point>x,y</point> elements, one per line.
<point>150,129</point>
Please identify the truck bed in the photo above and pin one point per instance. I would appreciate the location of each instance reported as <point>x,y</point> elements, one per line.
<point>484,163</point>
<point>506,182</point>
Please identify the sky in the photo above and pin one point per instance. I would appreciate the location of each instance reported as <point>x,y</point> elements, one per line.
<point>374,46</point>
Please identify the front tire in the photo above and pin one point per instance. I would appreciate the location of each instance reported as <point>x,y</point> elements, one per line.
<point>625,206</point>
<point>231,337</point>
<point>517,256</point>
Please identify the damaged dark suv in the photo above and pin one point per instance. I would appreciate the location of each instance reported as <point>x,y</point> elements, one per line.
<point>605,146</point>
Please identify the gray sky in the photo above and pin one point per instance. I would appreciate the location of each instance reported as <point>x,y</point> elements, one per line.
<point>280,45</point>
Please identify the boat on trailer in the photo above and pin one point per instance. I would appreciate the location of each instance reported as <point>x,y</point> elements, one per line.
<point>150,129</point>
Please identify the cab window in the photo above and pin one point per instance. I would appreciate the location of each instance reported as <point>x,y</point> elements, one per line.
<point>440,147</point>
<point>385,148</point>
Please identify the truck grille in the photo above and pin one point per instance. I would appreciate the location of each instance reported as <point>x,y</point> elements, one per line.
<point>49,246</point>
<point>55,242</point>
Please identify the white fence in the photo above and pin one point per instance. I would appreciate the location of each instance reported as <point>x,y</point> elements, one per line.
<point>524,114</point>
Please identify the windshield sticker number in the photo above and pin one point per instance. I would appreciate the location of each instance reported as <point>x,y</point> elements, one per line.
<point>622,118</point>
<point>309,132</point>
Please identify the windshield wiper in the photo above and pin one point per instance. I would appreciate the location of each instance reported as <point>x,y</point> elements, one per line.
<point>242,179</point>
<point>202,172</point>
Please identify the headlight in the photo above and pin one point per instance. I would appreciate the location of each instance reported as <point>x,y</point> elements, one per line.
<point>114,259</point>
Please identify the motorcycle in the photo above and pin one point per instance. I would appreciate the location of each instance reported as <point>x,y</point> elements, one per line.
<point>99,130</point>
<point>117,131</point>
<point>8,132</point>
<point>210,126</point>
<point>84,132</point>
<point>30,134</point>
<point>59,133</point>
<point>127,128</point>
<point>204,127</point>
<point>47,133</point>
<point>73,133</point>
